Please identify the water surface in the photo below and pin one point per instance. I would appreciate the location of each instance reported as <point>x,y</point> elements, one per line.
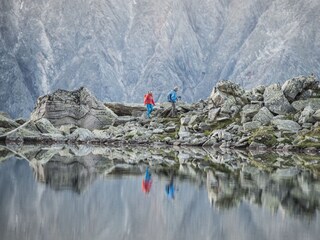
<point>61,194</point>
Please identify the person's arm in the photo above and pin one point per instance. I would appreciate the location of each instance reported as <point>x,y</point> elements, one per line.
<point>144,100</point>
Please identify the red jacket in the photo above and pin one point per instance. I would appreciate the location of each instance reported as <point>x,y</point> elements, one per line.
<point>148,99</point>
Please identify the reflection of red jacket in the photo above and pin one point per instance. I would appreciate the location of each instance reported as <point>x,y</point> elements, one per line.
<point>148,99</point>
<point>146,186</point>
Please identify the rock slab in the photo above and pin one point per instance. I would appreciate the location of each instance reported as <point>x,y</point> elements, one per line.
<point>77,107</point>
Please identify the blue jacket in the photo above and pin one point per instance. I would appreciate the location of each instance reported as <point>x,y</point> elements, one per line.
<point>174,96</point>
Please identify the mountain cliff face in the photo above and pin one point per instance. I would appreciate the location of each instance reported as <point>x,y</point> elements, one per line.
<point>120,48</point>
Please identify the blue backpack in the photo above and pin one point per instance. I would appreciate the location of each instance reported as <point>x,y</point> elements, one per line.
<point>169,97</point>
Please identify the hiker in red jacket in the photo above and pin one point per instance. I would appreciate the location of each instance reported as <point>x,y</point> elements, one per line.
<point>149,102</point>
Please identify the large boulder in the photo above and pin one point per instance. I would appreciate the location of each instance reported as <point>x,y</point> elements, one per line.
<point>230,88</point>
<point>275,100</point>
<point>126,109</point>
<point>77,107</point>
<point>227,91</point>
<point>292,87</point>
<point>227,94</point>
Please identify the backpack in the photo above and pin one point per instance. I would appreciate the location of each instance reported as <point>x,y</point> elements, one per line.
<point>169,97</point>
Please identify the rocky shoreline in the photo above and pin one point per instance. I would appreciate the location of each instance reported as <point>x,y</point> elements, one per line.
<point>286,118</point>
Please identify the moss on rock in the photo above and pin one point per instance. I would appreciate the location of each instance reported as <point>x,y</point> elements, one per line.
<point>264,135</point>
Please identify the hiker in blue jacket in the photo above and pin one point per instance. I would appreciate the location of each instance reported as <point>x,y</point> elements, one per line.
<point>172,97</point>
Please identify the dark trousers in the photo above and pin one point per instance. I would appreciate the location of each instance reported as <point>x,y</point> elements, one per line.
<point>173,111</point>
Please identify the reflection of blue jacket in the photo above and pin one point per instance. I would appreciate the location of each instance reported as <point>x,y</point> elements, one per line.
<point>170,190</point>
<point>147,176</point>
<point>173,96</point>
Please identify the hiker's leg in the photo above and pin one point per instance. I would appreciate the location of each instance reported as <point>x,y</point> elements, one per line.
<point>149,110</point>
<point>174,113</point>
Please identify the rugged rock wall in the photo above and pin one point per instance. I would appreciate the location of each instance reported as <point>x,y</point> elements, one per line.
<point>121,48</point>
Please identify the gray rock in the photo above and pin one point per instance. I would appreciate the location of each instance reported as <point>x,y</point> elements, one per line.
<point>7,122</point>
<point>20,121</point>
<point>126,109</point>
<point>275,100</point>
<point>68,129</point>
<point>204,126</point>
<point>213,113</point>
<point>264,116</point>
<point>121,120</point>
<point>248,111</point>
<point>259,89</point>
<point>45,126</point>
<point>258,146</point>
<point>185,121</point>
<point>198,141</point>
<point>307,125</point>
<point>292,87</point>
<point>219,98</point>
<point>316,115</point>
<point>286,125</point>
<point>210,142</point>
<point>221,135</point>
<point>81,135</point>
<point>249,126</point>
<point>230,88</point>
<point>314,103</point>
<point>193,120</point>
<point>306,95</point>
<point>170,129</point>
<point>79,107</point>
<point>184,132</point>
<point>229,104</point>
<point>307,115</point>
<point>158,131</point>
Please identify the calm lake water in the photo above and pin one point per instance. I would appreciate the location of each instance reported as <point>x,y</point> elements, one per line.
<point>83,196</point>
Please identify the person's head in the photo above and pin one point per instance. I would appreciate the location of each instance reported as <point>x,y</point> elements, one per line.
<point>149,92</point>
<point>176,88</point>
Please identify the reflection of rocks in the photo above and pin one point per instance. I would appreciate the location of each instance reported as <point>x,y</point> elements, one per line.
<point>267,179</point>
<point>63,170</point>
<point>67,176</point>
<point>283,189</point>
